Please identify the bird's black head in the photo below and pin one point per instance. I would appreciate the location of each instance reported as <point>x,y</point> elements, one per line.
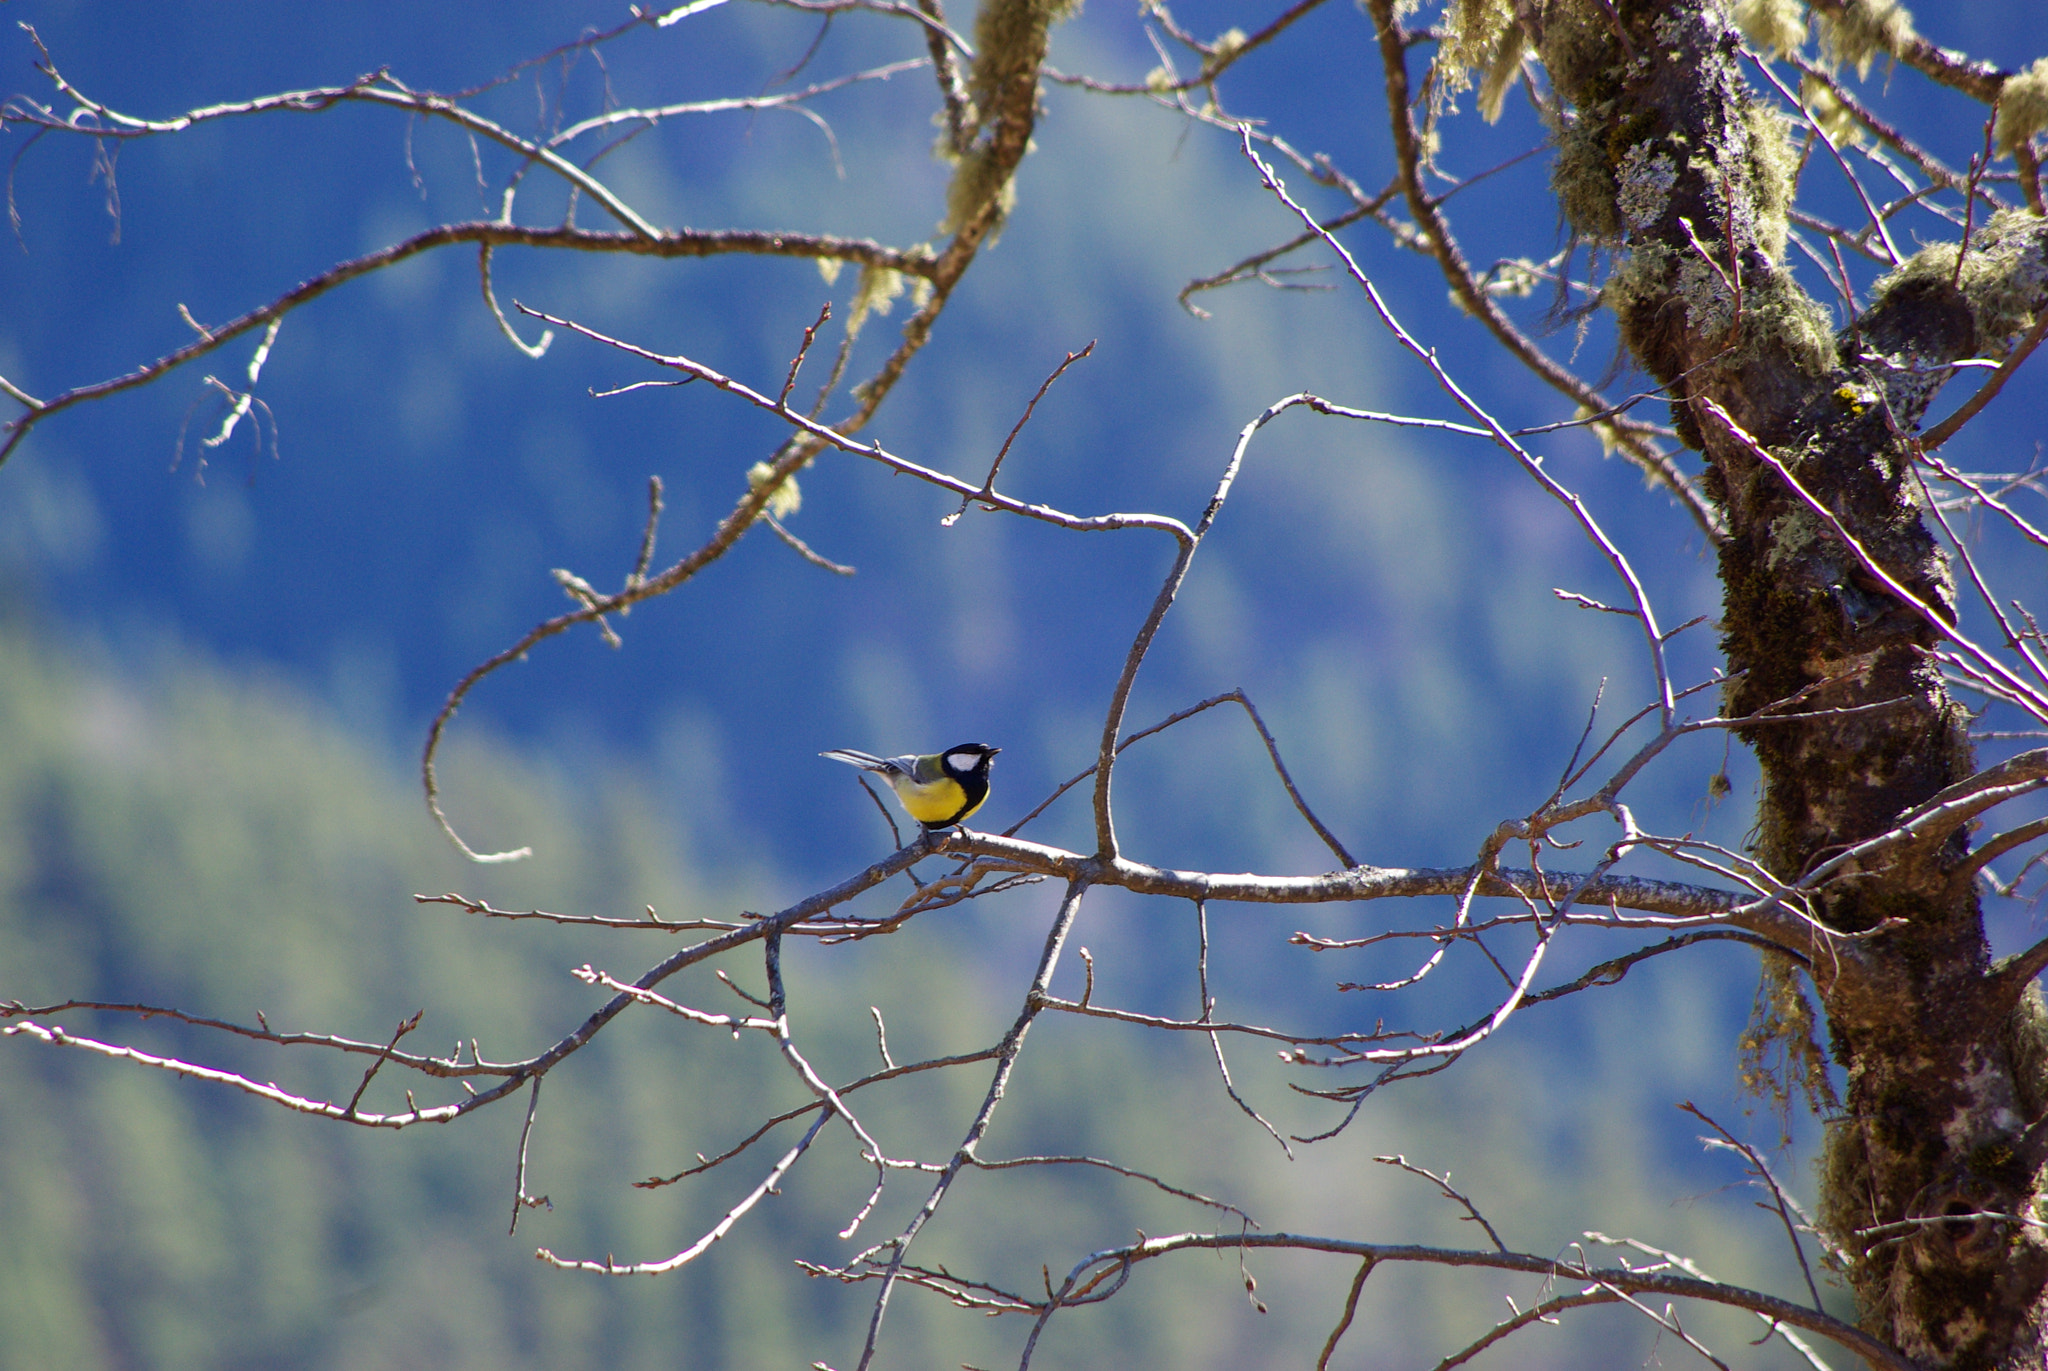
<point>968,759</point>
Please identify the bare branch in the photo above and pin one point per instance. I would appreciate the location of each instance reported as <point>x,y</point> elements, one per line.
<point>405,1026</point>
<point>680,243</point>
<point>1125,1171</point>
<point>732,1216</point>
<point>1344,1320</point>
<point>1443,1183</point>
<point>652,921</point>
<point>521,1201</point>
<point>1622,1280</point>
<point>989,482</point>
<point>1215,58</point>
<point>1534,468</point>
<point>1393,40</point>
<point>1216,1040</point>
<point>1995,671</point>
<point>832,436</point>
<point>58,1037</point>
<point>1781,1203</point>
<point>1006,1060</point>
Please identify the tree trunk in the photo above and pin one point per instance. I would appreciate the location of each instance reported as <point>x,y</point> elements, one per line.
<point>1674,167</point>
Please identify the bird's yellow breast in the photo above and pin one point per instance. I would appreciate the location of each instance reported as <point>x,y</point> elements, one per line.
<point>930,802</point>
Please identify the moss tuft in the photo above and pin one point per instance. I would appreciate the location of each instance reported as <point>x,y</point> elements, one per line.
<point>1584,182</point>
<point>1773,173</point>
<point>1778,315</point>
<point>1580,53</point>
<point>1638,292</point>
<point>1475,35</point>
<point>1828,113</point>
<point>2003,277</point>
<point>874,293</point>
<point>1863,31</point>
<point>2023,107</point>
<point>786,500</point>
<point>1501,74</point>
<point>1773,27</point>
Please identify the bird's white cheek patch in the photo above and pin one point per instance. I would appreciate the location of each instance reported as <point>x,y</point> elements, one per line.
<point>961,761</point>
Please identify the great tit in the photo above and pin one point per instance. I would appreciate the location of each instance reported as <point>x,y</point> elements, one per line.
<point>940,790</point>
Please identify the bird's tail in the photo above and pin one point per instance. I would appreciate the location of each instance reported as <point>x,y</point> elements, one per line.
<point>863,760</point>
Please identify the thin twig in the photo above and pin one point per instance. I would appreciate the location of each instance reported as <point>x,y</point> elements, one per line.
<point>1216,1040</point>
<point>405,1026</point>
<point>521,1201</point>
<point>1949,427</point>
<point>989,483</point>
<point>1780,1202</point>
<point>1443,1183</point>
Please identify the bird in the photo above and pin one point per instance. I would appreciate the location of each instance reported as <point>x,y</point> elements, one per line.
<point>939,790</point>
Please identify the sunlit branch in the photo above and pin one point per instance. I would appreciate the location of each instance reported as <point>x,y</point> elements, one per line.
<point>654,115</point>
<point>1141,644</point>
<point>451,1066</point>
<point>767,1186</point>
<point>1215,60</point>
<point>378,87</point>
<point>1443,1183</point>
<point>1619,1279</point>
<point>831,436</point>
<point>1947,811</point>
<point>769,1125</point>
<point>1892,254</point>
<point>1929,165</point>
<point>932,22</point>
<point>1673,1261</point>
<point>300,1104</point>
<point>1344,1319</point>
<point>1211,1027</point>
<point>1006,1061</point>
<point>988,482</point>
<point>1215,1039</point>
<point>1529,463</point>
<point>653,921</point>
<point>1782,1203</point>
<point>1543,1312</point>
<point>1129,1173</point>
<point>1985,497</point>
<point>1984,394</point>
<point>489,233</point>
<point>521,1201</point>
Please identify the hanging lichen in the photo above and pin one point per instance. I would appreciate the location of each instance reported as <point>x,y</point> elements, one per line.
<point>1780,1051</point>
<point>1773,27</point>
<point>2023,107</point>
<point>1863,31</point>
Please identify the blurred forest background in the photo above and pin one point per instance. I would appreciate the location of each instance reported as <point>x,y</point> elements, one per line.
<point>215,677</point>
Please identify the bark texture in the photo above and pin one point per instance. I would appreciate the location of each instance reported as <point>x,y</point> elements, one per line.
<point>1674,167</point>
